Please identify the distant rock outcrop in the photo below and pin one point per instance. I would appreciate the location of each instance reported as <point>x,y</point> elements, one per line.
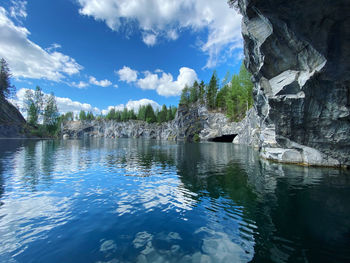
<point>299,54</point>
<point>12,123</point>
<point>188,122</point>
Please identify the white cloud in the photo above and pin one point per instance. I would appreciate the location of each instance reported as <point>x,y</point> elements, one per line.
<point>80,84</point>
<point>165,18</point>
<point>164,83</point>
<point>102,83</point>
<point>127,74</point>
<point>115,86</point>
<point>133,105</point>
<point>18,9</point>
<point>149,39</point>
<point>64,104</point>
<point>27,59</point>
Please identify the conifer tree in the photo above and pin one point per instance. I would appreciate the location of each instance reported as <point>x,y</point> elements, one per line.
<point>5,84</point>
<point>211,91</point>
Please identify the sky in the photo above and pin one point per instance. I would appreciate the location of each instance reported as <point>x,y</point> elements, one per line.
<point>98,54</point>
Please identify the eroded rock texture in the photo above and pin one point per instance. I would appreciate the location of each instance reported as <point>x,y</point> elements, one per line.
<point>299,54</point>
<point>12,123</point>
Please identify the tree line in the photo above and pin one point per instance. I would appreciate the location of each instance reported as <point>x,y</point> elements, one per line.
<point>233,97</point>
<point>144,113</point>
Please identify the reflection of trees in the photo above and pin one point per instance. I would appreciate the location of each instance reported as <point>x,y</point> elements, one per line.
<point>30,174</point>
<point>48,160</point>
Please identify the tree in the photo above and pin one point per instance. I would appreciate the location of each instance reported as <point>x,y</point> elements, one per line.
<point>82,115</point>
<point>211,91</point>
<point>245,78</point>
<point>90,116</point>
<point>50,115</point>
<point>162,115</point>
<point>141,115</point>
<point>5,84</point>
<point>221,98</point>
<point>202,93</point>
<point>185,96</point>
<point>124,115</point>
<point>34,103</point>
<point>194,93</point>
<point>150,117</point>
<point>68,116</point>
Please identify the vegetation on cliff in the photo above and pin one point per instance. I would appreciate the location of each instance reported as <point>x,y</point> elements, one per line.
<point>233,98</point>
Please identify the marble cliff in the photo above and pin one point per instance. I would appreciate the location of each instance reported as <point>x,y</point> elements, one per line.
<point>299,54</point>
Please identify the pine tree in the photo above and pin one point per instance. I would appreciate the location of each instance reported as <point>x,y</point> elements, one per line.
<point>6,89</point>
<point>82,115</point>
<point>202,93</point>
<point>185,96</point>
<point>150,117</point>
<point>211,91</point>
<point>194,93</point>
<point>162,115</point>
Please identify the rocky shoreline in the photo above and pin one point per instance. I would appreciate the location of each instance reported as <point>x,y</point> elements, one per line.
<point>189,122</point>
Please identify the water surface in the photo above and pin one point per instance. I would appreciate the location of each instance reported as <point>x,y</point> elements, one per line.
<point>130,200</point>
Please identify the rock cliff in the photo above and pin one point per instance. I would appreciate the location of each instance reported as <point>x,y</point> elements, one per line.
<point>299,54</point>
<point>188,122</point>
<point>12,123</point>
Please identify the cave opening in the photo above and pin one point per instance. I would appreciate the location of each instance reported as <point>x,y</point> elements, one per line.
<point>224,138</point>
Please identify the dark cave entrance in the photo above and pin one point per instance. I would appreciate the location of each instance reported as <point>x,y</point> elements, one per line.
<point>224,138</point>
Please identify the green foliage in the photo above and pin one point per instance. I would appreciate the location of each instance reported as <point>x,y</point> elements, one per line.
<point>212,89</point>
<point>150,117</point>
<point>50,115</point>
<point>34,103</point>
<point>162,115</point>
<point>43,108</point>
<point>194,93</point>
<point>185,96</point>
<point>202,92</point>
<point>196,138</point>
<point>239,97</point>
<point>6,89</point>
<point>82,115</point>
<point>69,116</point>
<point>233,98</point>
<point>221,98</point>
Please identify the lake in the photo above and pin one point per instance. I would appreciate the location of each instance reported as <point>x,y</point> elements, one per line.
<point>133,200</point>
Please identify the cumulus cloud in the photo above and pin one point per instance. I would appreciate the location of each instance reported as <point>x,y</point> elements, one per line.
<point>102,83</point>
<point>64,104</point>
<point>149,39</point>
<point>165,18</point>
<point>127,74</point>
<point>27,59</point>
<point>80,84</point>
<point>164,83</point>
<point>133,105</point>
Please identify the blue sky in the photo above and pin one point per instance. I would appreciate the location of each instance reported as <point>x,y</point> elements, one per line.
<point>98,54</point>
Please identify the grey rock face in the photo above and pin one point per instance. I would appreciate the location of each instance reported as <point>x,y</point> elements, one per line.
<point>188,122</point>
<point>12,123</point>
<point>299,54</point>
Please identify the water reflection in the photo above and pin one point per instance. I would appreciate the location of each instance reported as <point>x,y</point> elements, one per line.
<point>145,201</point>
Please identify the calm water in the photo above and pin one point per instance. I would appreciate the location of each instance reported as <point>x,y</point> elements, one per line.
<point>145,201</point>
